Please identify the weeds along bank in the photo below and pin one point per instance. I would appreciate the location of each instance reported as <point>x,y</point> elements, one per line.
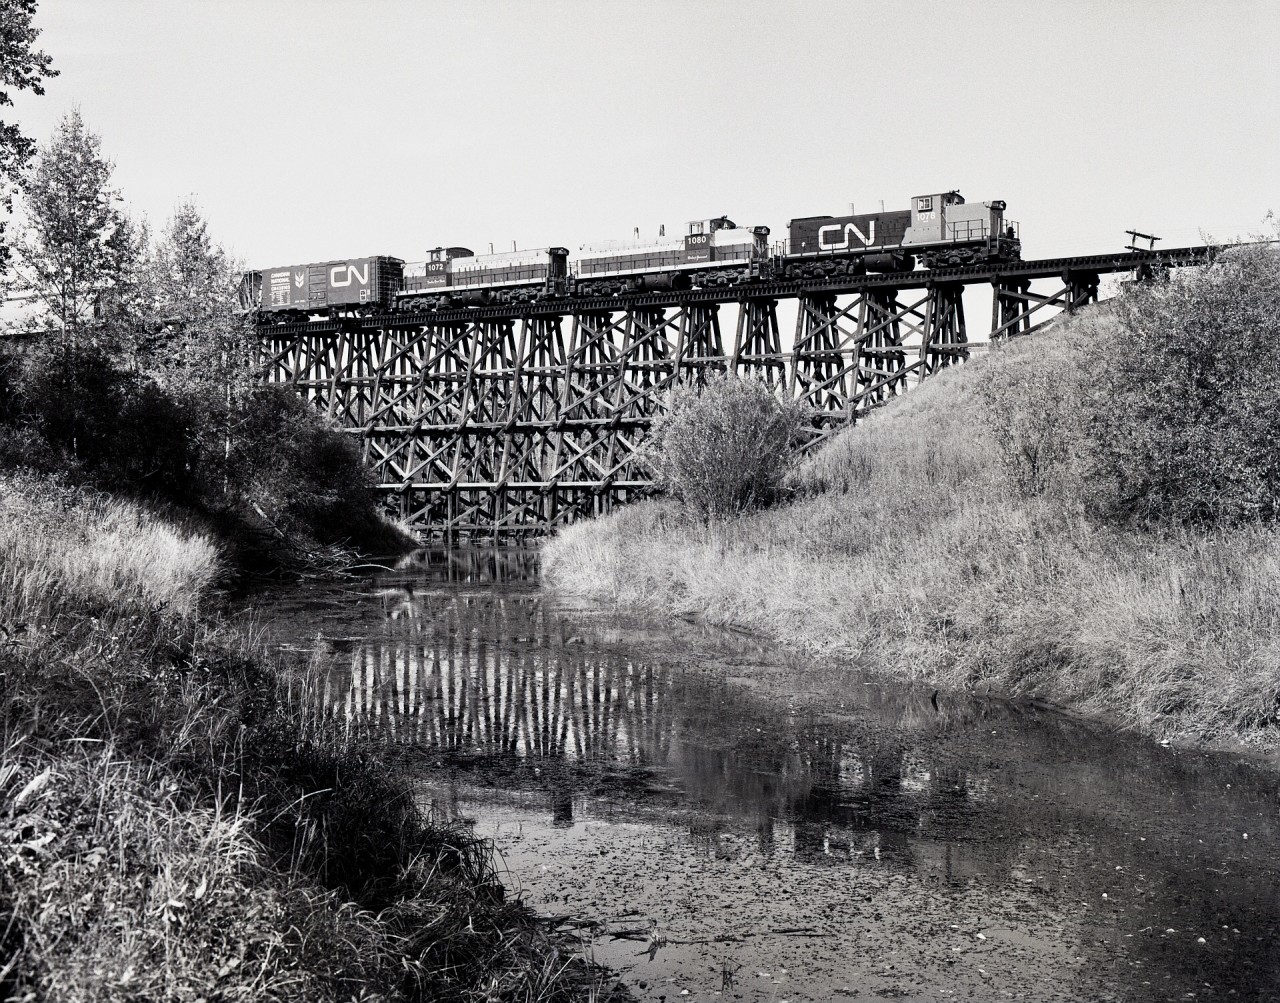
<point>167,830</point>
<point>998,527</point>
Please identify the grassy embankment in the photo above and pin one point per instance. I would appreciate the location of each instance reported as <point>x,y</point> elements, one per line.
<point>909,550</point>
<point>169,832</point>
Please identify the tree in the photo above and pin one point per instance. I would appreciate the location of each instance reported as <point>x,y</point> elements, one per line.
<point>22,68</point>
<point>76,244</point>
<point>197,341</point>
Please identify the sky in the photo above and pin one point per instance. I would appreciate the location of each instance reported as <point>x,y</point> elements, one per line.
<point>318,129</point>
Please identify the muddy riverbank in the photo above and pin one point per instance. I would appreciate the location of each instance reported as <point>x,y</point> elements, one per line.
<point>720,819</point>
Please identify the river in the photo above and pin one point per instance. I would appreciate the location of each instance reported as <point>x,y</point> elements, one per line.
<point>723,819</point>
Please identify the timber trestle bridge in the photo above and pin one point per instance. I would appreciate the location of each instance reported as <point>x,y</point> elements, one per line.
<point>500,420</point>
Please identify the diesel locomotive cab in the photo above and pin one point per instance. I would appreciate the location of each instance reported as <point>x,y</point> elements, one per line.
<point>699,239</point>
<point>950,232</point>
<point>457,277</point>
<point>434,272</point>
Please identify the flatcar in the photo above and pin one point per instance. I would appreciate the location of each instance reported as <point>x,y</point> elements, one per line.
<point>940,230</point>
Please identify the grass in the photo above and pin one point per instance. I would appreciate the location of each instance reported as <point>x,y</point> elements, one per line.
<point>908,550</point>
<point>169,831</point>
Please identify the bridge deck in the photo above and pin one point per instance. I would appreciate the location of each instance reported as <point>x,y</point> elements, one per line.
<point>1096,264</point>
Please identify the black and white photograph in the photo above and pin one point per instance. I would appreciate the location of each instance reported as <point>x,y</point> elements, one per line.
<point>639,501</point>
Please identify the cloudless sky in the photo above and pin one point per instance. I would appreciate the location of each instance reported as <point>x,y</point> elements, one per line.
<point>331,128</point>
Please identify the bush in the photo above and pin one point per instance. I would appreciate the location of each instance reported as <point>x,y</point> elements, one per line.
<point>1185,418</point>
<point>307,473</point>
<point>79,413</point>
<point>724,448</point>
<point>118,428</point>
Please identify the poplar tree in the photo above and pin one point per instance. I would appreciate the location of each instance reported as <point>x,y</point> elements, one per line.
<point>22,68</point>
<point>76,244</point>
<point>198,344</point>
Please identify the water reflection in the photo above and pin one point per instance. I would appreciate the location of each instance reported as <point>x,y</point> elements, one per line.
<point>466,565</point>
<point>498,684</point>
<point>485,677</point>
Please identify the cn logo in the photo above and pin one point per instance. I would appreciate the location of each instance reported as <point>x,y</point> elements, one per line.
<point>348,273</point>
<point>827,236</point>
<point>299,278</point>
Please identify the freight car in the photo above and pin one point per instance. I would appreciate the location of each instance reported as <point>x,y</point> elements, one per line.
<point>327,287</point>
<point>941,229</point>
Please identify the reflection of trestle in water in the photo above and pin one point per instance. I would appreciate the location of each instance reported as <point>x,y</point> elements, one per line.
<point>436,677</point>
<point>470,565</point>
<point>502,676</point>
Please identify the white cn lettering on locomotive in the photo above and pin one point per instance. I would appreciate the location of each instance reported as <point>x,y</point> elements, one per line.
<point>349,273</point>
<point>826,236</point>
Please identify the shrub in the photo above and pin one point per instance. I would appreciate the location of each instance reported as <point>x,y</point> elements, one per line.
<point>117,427</point>
<point>1185,418</point>
<point>307,473</point>
<point>724,448</point>
<point>78,412</point>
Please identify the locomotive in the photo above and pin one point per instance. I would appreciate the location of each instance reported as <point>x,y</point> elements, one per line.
<point>942,229</point>
<point>713,252</point>
<point>938,230</point>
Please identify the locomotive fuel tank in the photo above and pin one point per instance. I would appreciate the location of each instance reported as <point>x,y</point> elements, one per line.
<point>661,281</point>
<point>470,297</point>
<point>889,262</point>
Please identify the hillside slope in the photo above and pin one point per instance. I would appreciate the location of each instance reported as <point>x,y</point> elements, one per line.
<point>909,551</point>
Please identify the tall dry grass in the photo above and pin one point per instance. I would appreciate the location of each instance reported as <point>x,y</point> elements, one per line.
<point>119,890</point>
<point>911,550</point>
<point>66,550</point>
<point>169,831</point>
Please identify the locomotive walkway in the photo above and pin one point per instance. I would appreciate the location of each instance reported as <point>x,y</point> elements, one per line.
<point>512,420</point>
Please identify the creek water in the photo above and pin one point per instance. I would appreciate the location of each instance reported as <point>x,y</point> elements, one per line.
<point>722,819</point>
